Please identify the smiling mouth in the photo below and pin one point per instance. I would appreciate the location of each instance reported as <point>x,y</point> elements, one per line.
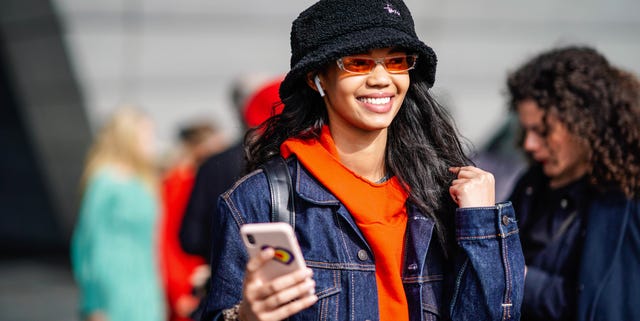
<point>375,101</point>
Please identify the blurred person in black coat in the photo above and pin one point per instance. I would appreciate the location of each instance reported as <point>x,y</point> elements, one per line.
<point>220,171</point>
<point>578,204</point>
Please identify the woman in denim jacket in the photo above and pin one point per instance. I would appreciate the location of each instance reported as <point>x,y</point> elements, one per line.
<point>392,221</point>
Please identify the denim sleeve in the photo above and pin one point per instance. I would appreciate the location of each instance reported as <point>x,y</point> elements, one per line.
<point>544,295</point>
<point>489,266</point>
<point>228,261</point>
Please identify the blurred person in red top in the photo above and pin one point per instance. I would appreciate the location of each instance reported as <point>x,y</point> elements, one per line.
<point>179,269</point>
<point>255,99</point>
<point>260,105</point>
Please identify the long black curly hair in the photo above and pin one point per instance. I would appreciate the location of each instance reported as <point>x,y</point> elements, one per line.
<point>598,103</point>
<point>422,144</point>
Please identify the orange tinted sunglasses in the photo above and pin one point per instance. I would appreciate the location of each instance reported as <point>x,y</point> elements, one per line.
<point>364,65</point>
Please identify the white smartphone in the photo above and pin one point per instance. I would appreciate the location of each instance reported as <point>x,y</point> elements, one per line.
<point>282,239</point>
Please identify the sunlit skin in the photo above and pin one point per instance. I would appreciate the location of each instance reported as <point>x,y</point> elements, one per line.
<point>564,158</point>
<point>351,97</point>
<point>146,139</point>
<point>358,124</point>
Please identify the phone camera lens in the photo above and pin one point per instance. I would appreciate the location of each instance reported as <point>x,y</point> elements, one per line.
<point>251,239</point>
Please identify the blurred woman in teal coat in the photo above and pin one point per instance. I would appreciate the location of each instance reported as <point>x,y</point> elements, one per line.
<point>113,246</point>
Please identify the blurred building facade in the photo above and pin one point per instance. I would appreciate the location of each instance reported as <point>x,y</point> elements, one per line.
<point>45,131</point>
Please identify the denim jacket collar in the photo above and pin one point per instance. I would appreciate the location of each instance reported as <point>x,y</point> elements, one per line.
<point>309,189</point>
<point>419,227</point>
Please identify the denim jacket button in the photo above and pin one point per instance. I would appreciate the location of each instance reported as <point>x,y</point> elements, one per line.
<point>529,190</point>
<point>505,220</point>
<point>362,255</point>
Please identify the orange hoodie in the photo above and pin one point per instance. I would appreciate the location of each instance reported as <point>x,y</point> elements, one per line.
<point>378,209</point>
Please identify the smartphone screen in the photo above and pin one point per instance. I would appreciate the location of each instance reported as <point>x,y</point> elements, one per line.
<point>282,239</point>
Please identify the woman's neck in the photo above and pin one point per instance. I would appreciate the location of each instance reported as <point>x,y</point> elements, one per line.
<point>363,152</point>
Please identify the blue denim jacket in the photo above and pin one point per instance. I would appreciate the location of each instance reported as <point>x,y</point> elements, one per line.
<point>483,280</point>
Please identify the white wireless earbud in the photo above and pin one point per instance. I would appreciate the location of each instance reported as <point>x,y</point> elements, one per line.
<point>316,80</point>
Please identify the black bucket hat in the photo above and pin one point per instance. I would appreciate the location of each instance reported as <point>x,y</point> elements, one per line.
<point>331,29</point>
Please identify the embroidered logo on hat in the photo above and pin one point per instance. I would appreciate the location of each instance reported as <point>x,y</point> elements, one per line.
<point>391,9</point>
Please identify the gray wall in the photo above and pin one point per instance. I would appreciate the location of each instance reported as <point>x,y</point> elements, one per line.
<point>178,59</point>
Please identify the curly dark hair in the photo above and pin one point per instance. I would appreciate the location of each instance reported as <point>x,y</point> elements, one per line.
<point>598,103</point>
<point>422,144</point>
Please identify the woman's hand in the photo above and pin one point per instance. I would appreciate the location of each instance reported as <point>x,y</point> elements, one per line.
<point>198,280</point>
<point>200,275</point>
<point>276,299</point>
<point>473,187</point>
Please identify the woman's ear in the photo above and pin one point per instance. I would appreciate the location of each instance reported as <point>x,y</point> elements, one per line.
<point>313,80</point>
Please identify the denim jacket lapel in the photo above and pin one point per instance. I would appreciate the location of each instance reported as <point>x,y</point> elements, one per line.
<point>310,190</point>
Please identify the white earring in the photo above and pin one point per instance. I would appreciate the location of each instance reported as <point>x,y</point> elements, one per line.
<point>316,80</point>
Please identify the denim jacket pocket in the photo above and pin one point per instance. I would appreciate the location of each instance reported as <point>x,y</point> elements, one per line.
<point>327,289</point>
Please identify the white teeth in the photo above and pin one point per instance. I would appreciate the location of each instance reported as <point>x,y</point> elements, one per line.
<point>375,101</point>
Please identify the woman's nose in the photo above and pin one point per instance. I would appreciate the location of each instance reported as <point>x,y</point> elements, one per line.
<point>379,76</point>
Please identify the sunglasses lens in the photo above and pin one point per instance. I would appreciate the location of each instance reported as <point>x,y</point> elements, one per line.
<point>364,65</point>
<point>358,64</point>
<point>399,63</point>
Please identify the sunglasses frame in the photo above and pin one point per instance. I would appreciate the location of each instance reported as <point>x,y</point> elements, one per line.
<point>377,61</point>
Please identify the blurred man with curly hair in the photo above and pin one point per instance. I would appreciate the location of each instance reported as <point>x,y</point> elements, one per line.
<point>578,203</point>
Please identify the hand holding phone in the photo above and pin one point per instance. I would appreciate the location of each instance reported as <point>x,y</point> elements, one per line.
<point>277,283</point>
<point>281,238</point>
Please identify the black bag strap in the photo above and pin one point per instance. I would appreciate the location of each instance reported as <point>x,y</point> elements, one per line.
<point>281,188</point>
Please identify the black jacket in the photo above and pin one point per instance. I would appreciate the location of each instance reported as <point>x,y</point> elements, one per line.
<point>215,175</point>
<point>609,271</point>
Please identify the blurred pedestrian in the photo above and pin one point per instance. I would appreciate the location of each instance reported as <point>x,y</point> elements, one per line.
<point>220,171</point>
<point>113,249</point>
<point>577,204</point>
<point>197,142</point>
